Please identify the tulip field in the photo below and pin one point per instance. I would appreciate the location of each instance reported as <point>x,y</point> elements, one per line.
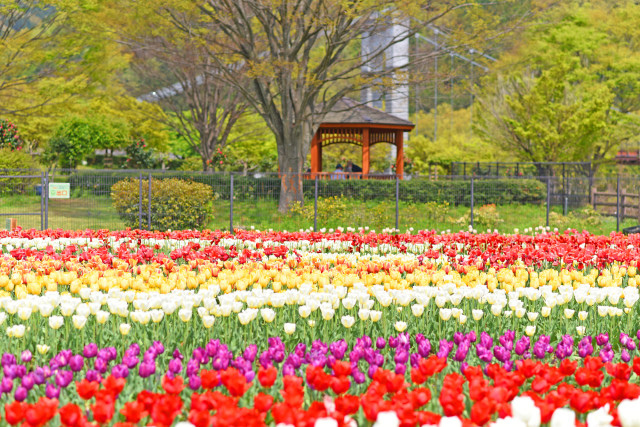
<point>209,328</point>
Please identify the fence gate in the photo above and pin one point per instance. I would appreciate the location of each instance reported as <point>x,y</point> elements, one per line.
<point>23,198</point>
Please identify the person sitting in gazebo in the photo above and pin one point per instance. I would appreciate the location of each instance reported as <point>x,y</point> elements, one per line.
<point>352,168</point>
<point>338,173</point>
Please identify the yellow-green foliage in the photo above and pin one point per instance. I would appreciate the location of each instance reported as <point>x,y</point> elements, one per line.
<point>486,216</point>
<point>17,159</point>
<point>340,211</point>
<point>584,217</point>
<point>176,204</point>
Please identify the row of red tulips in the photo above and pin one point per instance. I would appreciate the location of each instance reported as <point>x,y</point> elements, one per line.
<point>462,248</point>
<point>475,396</point>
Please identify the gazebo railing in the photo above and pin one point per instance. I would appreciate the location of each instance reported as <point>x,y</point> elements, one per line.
<point>348,175</point>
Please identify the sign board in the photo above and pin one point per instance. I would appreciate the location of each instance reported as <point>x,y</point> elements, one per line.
<point>59,190</point>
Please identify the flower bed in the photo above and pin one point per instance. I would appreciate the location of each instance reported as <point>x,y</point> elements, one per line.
<point>296,328</point>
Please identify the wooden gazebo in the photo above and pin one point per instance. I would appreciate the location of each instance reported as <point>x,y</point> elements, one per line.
<point>350,122</point>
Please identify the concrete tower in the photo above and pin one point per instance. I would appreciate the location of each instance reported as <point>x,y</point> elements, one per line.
<point>386,52</point>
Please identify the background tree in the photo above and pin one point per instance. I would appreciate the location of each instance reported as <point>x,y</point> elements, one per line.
<point>77,137</point>
<point>172,68</point>
<point>568,92</point>
<point>455,142</point>
<point>301,57</point>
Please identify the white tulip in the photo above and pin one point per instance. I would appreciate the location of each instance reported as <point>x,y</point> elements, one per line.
<point>56,322</point>
<point>347,321</point>
<point>400,326</point>
<point>79,321</point>
<point>628,411</point>
<point>185,314</point>
<point>450,422</point>
<point>208,321</point>
<point>600,417</point>
<point>125,328</point>
<point>268,315</point>
<point>387,419</point>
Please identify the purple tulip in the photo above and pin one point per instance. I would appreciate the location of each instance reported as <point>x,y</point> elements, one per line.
<point>120,371</point>
<point>38,376</point>
<point>602,339</point>
<point>6,385</point>
<point>194,382</point>
<point>175,366</point>
<point>76,363</point>
<point>381,343</point>
<point>21,394</point>
<point>51,391</point>
<point>64,378</point>
<point>26,356</point>
<point>101,365</point>
<point>251,352</point>
<point>146,369</point>
<point>28,382</point>
<point>424,348</point>
<point>393,342</point>
<point>92,375</point>
<point>10,359</point>
<point>90,351</point>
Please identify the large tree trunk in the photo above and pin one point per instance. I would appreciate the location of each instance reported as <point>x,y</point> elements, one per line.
<point>293,148</point>
<point>290,160</point>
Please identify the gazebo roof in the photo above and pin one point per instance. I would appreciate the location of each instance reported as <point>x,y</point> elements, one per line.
<point>349,111</point>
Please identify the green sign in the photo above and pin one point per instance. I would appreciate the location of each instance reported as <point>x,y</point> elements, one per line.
<point>59,190</point>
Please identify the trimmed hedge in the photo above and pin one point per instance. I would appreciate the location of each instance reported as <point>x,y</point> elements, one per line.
<point>455,192</point>
<point>176,204</point>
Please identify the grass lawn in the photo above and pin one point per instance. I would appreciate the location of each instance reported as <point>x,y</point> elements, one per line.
<point>98,212</point>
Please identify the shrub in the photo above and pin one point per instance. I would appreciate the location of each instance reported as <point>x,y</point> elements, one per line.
<point>9,137</point>
<point>176,204</point>
<point>138,155</point>
<point>486,216</point>
<point>191,164</point>
<point>11,160</point>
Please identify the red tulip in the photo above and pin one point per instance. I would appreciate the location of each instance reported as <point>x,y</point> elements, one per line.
<point>267,377</point>
<point>173,385</point>
<point>262,402</point>
<point>87,389</point>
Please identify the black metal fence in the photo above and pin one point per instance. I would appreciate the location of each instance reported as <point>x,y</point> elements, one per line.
<point>115,199</point>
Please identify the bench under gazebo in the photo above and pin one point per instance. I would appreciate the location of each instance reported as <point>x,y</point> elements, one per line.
<point>350,122</point>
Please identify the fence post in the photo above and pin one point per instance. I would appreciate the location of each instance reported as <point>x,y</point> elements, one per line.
<point>41,200</point>
<point>140,201</point>
<point>149,205</point>
<point>618,204</point>
<point>565,207</point>
<point>46,201</point>
<point>315,205</point>
<point>231,203</point>
<point>397,200</point>
<point>472,201</point>
<point>548,197</point>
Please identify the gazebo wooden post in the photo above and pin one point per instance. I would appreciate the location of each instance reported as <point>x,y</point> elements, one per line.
<point>399,154</point>
<point>365,153</point>
<point>316,154</point>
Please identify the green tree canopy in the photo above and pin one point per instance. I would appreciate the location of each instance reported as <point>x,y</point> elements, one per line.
<point>568,92</point>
